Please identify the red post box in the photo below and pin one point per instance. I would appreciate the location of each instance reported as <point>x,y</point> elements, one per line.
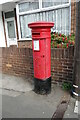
<point>41,43</point>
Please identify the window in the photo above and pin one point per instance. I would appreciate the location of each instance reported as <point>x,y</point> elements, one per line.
<point>43,10</point>
<point>11,29</point>
<point>9,14</point>
<point>29,5</point>
<point>49,3</point>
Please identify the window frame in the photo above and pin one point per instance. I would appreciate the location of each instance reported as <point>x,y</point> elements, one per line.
<point>37,11</point>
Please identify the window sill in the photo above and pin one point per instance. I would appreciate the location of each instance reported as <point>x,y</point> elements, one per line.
<point>25,39</point>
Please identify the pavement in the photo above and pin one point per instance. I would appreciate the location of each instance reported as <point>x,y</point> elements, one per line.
<point>14,83</point>
<point>19,102</point>
<point>70,110</point>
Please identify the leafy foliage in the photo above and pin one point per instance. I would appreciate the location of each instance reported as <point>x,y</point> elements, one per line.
<point>66,86</point>
<point>59,40</point>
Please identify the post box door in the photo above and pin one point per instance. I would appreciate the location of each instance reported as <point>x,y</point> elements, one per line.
<point>39,60</point>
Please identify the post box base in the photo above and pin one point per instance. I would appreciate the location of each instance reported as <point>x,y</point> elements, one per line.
<point>42,86</point>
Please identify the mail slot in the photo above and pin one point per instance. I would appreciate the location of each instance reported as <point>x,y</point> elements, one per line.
<point>41,44</point>
<point>36,33</point>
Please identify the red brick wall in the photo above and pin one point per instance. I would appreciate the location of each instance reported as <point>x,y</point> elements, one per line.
<point>19,61</point>
<point>62,64</point>
<point>25,44</point>
<point>73,16</point>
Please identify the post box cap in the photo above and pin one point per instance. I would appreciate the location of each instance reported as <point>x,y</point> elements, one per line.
<point>41,24</point>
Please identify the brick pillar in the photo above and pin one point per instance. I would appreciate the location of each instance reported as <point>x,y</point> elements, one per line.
<point>73,16</point>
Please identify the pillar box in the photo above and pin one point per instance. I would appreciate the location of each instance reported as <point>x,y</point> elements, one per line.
<point>41,44</point>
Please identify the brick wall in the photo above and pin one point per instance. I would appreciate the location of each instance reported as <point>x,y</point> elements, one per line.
<point>25,44</point>
<point>62,64</point>
<point>73,16</point>
<point>18,61</point>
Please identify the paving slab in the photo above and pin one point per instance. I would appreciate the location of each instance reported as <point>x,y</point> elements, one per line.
<point>20,101</point>
<point>10,93</point>
<point>15,83</point>
<point>70,110</point>
<point>31,105</point>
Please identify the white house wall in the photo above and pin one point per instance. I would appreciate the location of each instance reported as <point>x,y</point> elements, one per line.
<point>6,1</point>
<point>2,38</point>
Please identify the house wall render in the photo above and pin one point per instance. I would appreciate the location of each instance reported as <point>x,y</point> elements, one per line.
<point>19,62</point>
<point>2,38</point>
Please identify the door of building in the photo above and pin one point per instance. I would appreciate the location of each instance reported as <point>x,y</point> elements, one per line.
<point>11,31</point>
